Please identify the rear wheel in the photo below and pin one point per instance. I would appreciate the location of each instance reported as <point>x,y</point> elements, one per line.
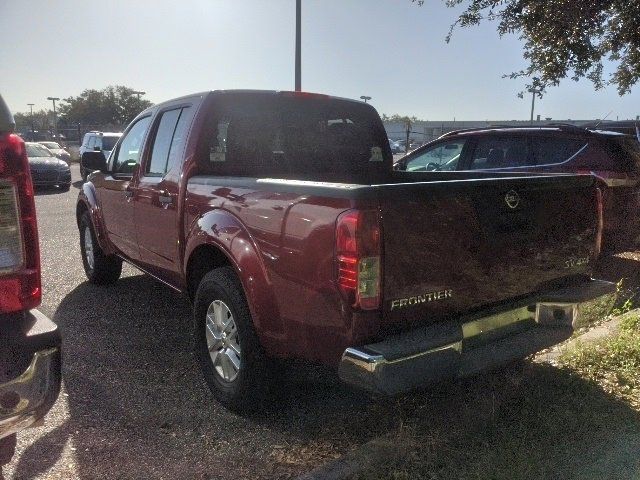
<point>65,187</point>
<point>226,345</point>
<point>100,269</point>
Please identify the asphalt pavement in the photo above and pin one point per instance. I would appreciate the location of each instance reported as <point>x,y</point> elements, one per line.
<point>133,403</point>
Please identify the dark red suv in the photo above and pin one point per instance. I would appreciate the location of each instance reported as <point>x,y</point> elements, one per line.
<point>612,157</point>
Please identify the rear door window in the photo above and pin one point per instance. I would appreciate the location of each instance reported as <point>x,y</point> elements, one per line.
<point>554,150</point>
<point>500,152</point>
<point>169,141</point>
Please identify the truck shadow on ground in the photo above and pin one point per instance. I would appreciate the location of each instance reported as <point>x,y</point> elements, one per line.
<point>139,408</point>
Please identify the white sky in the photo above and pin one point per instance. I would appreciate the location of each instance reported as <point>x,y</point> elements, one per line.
<point>391,50</point>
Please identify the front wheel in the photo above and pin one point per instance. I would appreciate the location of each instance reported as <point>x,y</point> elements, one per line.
<point>226,345</point>
<point>100,269</point>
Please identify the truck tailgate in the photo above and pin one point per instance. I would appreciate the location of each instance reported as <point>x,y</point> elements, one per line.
<point>457,246</point>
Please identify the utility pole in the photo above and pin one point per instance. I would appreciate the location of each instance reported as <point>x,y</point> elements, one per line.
<point>55,118</point>
<point>365,98</point>
<point>298,46</point>
<point>406,148</point>
<point>31,107</point>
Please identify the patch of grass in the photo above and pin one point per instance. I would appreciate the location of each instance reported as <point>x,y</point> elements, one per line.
<point>614,362</point>
<point>578,421</point>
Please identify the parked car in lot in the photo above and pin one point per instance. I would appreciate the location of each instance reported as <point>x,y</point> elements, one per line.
<point>415,144</point>
<point>280,215</point>
<point>29,341</point>
<point>613,158</point>
<point>97,142</point>
<point>57,150</point>
<point>46,169</point>
<point>395,147</point>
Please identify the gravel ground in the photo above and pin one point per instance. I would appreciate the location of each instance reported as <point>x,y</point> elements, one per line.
<point>134,405</point>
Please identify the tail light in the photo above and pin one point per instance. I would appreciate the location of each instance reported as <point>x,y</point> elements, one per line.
<point>19,252</point>
<point>600,220</point>
<point>358,258</point>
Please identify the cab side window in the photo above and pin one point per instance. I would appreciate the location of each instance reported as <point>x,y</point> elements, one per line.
<point>91,142</point>
<point>441,157</point>
<point>128,156</point>
<point>169,141</point>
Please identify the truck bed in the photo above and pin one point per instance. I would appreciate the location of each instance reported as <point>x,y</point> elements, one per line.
<point>451,244</point>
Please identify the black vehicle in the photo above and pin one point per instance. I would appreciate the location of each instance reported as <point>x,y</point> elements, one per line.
<point>30,363</point>
<point>46,169</point>
<point>614,158</point>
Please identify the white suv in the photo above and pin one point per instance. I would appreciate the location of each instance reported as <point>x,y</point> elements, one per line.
<point>98,142</point>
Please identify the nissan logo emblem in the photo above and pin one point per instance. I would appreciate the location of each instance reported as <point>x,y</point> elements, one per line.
<point>512,199</point>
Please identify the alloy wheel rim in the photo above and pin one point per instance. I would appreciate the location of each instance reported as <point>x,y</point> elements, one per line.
<point>223,342</point>
<point>88,247</point>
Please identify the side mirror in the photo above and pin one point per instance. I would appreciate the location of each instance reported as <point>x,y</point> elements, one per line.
<point>97,149</point>
<point>93,161</point>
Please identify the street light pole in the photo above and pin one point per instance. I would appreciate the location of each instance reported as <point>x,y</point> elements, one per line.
<point>138,93</point>
<point>55,118</point>
<point>31,107</point>
<point>298,46</point>
<point>365,98</point>
<point>533,101</point>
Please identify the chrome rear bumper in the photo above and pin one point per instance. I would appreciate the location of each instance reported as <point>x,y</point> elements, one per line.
<point>467,346</point>
<point>25,399</point>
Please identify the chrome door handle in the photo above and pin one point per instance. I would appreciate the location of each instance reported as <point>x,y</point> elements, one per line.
<point>128,193</point>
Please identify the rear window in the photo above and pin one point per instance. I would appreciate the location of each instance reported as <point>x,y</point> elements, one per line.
<point>624,150</point>
<point>35,150</point>
<point>109,142</point>
<point>288,137</point>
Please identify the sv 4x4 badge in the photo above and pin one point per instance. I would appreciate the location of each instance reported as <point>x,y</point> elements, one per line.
<point>418,299</point>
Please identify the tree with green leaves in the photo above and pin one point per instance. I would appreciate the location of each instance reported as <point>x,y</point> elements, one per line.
<point>565,38</point>
<point>113,105</point>
<point>395,118</point>
<point>41,120</point>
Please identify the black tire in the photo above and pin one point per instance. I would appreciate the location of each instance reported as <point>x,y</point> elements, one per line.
<point>106,269</point>
<point>7,449</point>
<point>65,188</point>
<point>83,173</point>
<point>244,392</point>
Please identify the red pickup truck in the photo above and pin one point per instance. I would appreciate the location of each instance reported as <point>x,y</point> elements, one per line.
<point>280,215</point>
